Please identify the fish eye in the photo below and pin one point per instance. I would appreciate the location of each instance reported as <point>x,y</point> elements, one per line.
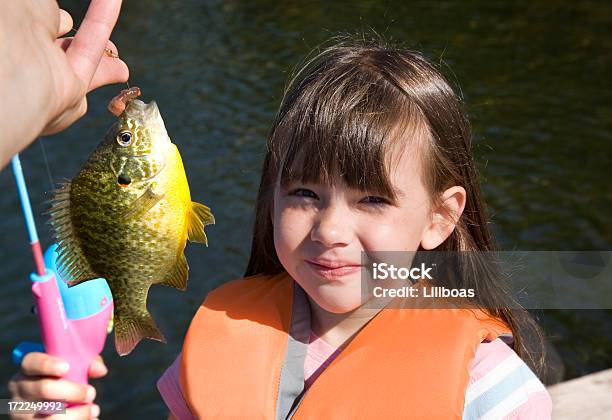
<point>124,138</point>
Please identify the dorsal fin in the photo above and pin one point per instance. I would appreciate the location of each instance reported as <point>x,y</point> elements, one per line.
<point>71,263</point>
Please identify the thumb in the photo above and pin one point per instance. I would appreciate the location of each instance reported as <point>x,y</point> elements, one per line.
<point>97,368</point>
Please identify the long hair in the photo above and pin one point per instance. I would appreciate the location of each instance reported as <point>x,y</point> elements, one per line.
<point>340,114</point>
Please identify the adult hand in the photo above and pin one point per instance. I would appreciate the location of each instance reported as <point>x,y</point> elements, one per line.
<point>44,79</point>
<point>38,379</point>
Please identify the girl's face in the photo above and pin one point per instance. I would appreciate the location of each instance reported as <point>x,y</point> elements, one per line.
<point>320,231</point>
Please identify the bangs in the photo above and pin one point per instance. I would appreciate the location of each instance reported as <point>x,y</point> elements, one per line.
<point>341,124</point>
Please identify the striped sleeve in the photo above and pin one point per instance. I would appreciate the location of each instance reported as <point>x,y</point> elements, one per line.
<point>502,386</point>
<point>169,388</point>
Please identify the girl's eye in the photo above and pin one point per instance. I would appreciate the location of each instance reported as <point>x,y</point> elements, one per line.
<point>124,138</point>
<point>372,199</point>
<point>303,192</point>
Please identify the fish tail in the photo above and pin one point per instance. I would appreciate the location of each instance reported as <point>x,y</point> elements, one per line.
<point>131,329</point>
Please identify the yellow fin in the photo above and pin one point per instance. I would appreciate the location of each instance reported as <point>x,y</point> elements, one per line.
<point>72,265</point>
<point>177,277</point>
<point>198,217</point>
<point>142,204</point>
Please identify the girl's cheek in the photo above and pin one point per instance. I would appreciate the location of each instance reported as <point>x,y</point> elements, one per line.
<point>394,232</point>
<point>292,224</point>
<point>377,238</point>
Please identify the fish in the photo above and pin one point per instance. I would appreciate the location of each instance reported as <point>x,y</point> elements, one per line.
<point>127,215</point>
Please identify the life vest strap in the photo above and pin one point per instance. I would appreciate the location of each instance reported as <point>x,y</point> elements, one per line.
<point>292,373</point>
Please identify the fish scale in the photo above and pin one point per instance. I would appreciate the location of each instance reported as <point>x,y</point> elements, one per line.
<point>131,234</point>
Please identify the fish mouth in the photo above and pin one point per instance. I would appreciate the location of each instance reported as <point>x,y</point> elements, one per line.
<point>149,116</point>
<point>139,105</point>
<point>145,111</point>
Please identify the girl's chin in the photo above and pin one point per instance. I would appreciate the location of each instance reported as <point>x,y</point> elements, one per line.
<point>332,296</point>
<point>335,305</point>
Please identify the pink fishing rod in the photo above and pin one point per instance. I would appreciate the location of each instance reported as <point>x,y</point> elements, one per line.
<point>73,321</point>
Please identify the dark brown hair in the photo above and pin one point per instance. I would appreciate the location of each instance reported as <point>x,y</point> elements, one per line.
<point>340,114</point>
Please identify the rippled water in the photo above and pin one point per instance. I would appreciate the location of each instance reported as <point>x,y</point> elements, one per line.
<point>533,78</point>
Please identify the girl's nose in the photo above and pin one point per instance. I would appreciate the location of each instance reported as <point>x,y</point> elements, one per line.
<point>332,227</point>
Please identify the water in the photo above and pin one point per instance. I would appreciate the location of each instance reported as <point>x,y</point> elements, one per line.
<point>534,80</point>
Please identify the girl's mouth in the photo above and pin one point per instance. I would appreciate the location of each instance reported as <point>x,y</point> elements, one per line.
<point>333,270</point>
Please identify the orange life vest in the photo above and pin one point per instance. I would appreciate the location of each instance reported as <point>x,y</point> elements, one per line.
<point>240,359</point>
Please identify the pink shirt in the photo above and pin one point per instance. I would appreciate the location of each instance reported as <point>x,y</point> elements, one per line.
<point>500,384</point>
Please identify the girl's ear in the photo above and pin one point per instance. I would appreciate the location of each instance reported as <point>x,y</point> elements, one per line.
<point>444,218</point>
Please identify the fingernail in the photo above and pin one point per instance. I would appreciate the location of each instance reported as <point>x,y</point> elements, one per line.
<point>95,411</point>
<point>91,394</point>
<point>62,367</point>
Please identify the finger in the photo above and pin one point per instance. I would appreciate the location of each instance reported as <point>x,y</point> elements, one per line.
<point>29,388</point>
<point>41,364</point>
<point>85,51</point>
<point>46,13</point>
<point>97,368</point>
<point>86,411</point>
<point>65,23</point>
<point>111,70</point>
<point>109,51</point>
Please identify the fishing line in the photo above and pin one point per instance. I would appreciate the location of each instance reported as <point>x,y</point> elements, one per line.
<point>109,53</point>
<point>44,155</point>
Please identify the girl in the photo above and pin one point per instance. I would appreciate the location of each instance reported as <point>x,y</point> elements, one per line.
<point>370,152</point>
